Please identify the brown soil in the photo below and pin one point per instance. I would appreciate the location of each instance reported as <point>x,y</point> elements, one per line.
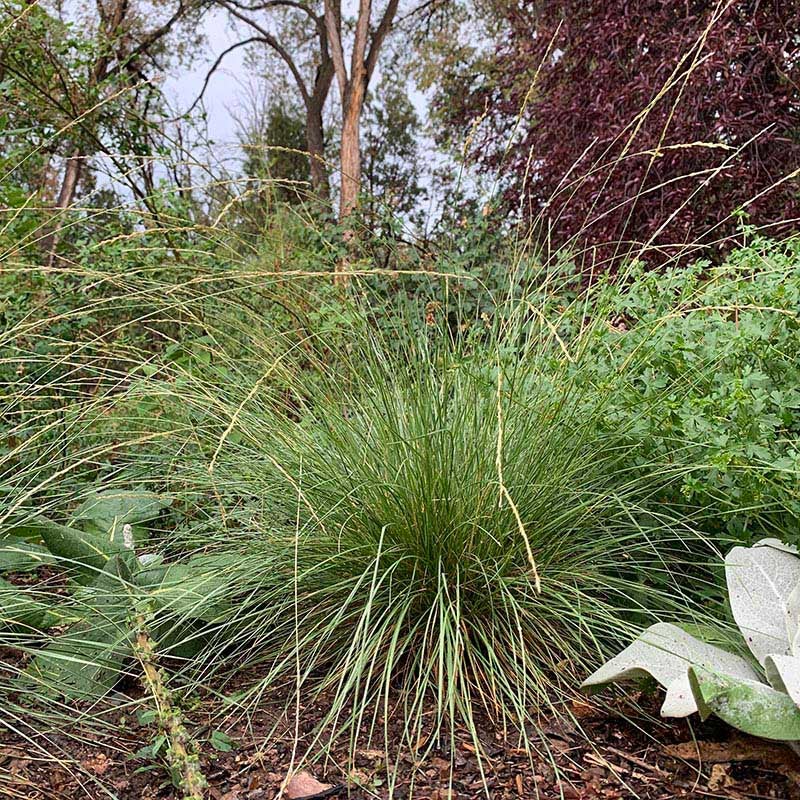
<point>609,758</point>
<point>596,753</point>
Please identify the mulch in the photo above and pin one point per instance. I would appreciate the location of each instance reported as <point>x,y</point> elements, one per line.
<point>597,754</point>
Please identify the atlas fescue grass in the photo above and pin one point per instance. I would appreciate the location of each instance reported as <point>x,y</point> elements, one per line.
<point>423,531</point>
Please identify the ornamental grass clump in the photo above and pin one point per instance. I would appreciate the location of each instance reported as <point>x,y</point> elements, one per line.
<point>427,530</point>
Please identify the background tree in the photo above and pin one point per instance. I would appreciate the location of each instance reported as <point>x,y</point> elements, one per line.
<point>90,79</point>
<point>310,40</point>
<point>292,32</point>
<point>273,139</point>
<point>353,84</point>
<point>648,121</point>
<point>391,153</point>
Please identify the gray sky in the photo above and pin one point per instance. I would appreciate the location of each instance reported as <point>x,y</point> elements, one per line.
<point>227,85</point>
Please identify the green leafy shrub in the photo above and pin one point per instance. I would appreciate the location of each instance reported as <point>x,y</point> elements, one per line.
<point>712,364</point>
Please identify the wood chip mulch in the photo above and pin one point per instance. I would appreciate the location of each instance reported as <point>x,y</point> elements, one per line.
<point>610,758</point>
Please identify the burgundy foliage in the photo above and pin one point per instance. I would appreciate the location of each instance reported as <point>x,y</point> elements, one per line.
<point>584,150</point>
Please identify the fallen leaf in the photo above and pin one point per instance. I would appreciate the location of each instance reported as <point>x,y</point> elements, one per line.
<point>97,763</point>
<point>779,757</point>
<point>442,765</point>
<point>725,752</point>
<point>359,777</point>
<point>371,753</point>
<point>720,778</point>
<point>304,784</point>
<point>58,779</point>
<point>583,710</point>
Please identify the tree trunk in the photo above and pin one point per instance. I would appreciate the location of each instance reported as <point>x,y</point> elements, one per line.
<point>315,103</point>
<point>350,154</point>
<point>351,150</point>
<point>315,141</point>
<point>72,175</point>
<point>73,170</point>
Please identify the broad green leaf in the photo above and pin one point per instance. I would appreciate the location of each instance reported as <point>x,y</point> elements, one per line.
<point>110,510</point>
<point>750,706</point>
<point>119,573</point>
<point>30,531</point>
<point>777,544</point>
<point>793,620</point>
<point>198,588</point>
<point>182,639</point>
<point>85,662</point>
<point>19,555</point>
<point>221,741</point>
<point>85,550</point>
<point>666,652</point>
<point>760,581</point>
<point>111,594</point>
<point>151,571</point>
<point>18,609</point>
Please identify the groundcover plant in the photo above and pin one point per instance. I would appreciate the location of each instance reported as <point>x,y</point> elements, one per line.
<point>758,698</point>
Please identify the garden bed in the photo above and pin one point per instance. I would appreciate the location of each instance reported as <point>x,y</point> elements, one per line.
<point>614,759</point>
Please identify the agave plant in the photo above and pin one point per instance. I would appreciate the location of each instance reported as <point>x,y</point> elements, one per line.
<point>759,695</point>
<point>81,640</point>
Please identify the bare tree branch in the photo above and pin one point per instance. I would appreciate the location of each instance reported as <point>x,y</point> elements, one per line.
<point>429,4</point>
<point>357,65</point>
<point>333,25</point>
<point>274,4</point>
<point>215,67</point>
<point>380,34</point>
<point>269,39</point>
<point>150,38</point>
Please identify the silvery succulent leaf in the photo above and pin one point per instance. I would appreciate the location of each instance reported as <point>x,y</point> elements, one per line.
<point>666,652</point>
<point>783,674</point>
<point>793,620</point>
<point>761,580</point>
<point>748,705</point>
<point>777,544</point>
